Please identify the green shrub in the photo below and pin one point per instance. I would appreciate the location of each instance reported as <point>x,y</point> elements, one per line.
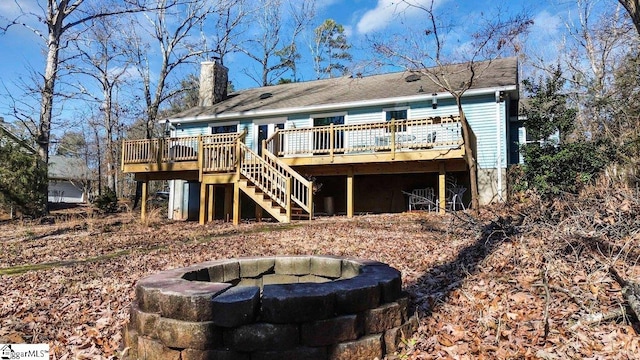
<point>23,179</point>
<point>107,202</point>
<point>567,168</point>
<point>560,159</point>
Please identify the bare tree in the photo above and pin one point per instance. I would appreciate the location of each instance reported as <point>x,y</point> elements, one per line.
<point>104,60</point>
<point>173,31</point>
<point>230,23</point>
<point>455,72</point>
<point>597,45</point>
<point>60,17</point>
<point>274,47</point>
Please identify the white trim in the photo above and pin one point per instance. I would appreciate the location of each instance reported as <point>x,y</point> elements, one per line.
<point>276,120</point>
<point>325,115</point>
<point>499,145</point>
<point>271,123</point>
<point>335,106</point>
<point>171,194</point>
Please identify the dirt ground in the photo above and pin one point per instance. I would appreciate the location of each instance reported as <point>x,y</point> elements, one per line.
<point>509,283</point>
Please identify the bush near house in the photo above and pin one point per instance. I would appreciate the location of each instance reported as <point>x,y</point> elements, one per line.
<point>22,180</point>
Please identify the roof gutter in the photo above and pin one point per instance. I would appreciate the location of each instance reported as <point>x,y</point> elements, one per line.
<point>332,107</point>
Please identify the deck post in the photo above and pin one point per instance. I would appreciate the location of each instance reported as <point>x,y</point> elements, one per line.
<point>200,158</point>
<point>228,201</point>
<point>331,141</point>
<point>310,195</point>
<point>350,193</point>
<point>442,183</point>
<point>211,203</point>
<point>236,203</point>
<point>122,157</point>
<point>289,185</point>
<point>393,139</point>
<point>145,195</point>
<point>258,213</point>
<point>203,204</point>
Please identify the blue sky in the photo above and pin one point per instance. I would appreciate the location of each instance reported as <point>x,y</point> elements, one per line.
<point>21,50</point>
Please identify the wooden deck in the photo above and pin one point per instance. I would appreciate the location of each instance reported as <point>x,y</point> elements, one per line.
<point>405,146</point>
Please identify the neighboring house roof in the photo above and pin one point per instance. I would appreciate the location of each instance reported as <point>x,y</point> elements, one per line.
<point>23,143</point>
<point>345,92</point>
<point>67,168</point>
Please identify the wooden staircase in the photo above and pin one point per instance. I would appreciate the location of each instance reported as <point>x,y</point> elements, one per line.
<point>274,186</point>
<point>264,201</point>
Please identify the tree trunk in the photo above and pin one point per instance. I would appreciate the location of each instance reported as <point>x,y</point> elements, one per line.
<point>633,8</point>
<point>46,105</point>
<point>469,156</point>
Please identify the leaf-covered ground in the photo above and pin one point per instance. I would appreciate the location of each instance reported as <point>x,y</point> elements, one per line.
<point>523,282</point>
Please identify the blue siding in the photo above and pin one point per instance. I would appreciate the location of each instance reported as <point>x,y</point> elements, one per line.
<point>299,121</point>
<point>481,112</point>
<point>481,115</point>
<point>424,109</point>
<point>248,125</point>
<point>364,115</point>
<point>192,130</point>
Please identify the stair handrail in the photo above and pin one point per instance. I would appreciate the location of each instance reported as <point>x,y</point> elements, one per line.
<point>266,177</point>
<point>301,188</point>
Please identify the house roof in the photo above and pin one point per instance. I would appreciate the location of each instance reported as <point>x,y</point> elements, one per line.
<point>67,168</point>
<point>352,91</point>
<point>24,144</point>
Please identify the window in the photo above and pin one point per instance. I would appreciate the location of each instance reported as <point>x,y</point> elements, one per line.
<point>224,129</point>
<point>323,121</point>
<point>396,114</point>
<point>321,138</point>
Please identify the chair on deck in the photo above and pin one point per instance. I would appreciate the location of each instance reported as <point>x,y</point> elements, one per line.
<point>422,199</point>
<point>454,200</point>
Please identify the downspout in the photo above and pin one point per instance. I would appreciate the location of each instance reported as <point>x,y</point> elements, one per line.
<point>499,144</point>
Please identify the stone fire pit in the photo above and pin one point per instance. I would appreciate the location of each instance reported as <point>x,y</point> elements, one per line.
<point>294,307</point>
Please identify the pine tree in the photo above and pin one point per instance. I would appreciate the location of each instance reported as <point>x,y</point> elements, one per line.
<point>330,50</point>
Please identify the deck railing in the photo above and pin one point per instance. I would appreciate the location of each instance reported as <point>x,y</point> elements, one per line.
<point>219,153</point>
<point>266,177</point>
<point>301,188</point>
<point>394,135</point>
<point>215,150</point>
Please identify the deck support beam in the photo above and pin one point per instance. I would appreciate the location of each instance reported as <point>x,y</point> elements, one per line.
<point>228,201</point>
<point>211,203</point>
<point>145,196</point>
<point>350,193</point>
<point>442,183</point>
<point>202,213</point>
<point>236,204</point>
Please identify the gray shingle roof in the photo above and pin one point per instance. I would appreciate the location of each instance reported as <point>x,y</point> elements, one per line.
<point>497,73</point>
<point>67,168</point>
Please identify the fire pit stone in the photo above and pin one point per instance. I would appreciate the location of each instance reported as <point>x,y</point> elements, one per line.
<point>311,307</point>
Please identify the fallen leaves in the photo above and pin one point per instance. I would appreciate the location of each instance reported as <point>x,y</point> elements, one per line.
<point>477,288</point>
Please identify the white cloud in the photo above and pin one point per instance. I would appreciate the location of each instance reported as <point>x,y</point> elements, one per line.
<point>323,4</point>
<point>387,10</point>
<point>348,31</point>
<point>546,23</point>
<point>11,9</point>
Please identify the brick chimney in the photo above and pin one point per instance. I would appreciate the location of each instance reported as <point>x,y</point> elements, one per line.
<point>213,83</point>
